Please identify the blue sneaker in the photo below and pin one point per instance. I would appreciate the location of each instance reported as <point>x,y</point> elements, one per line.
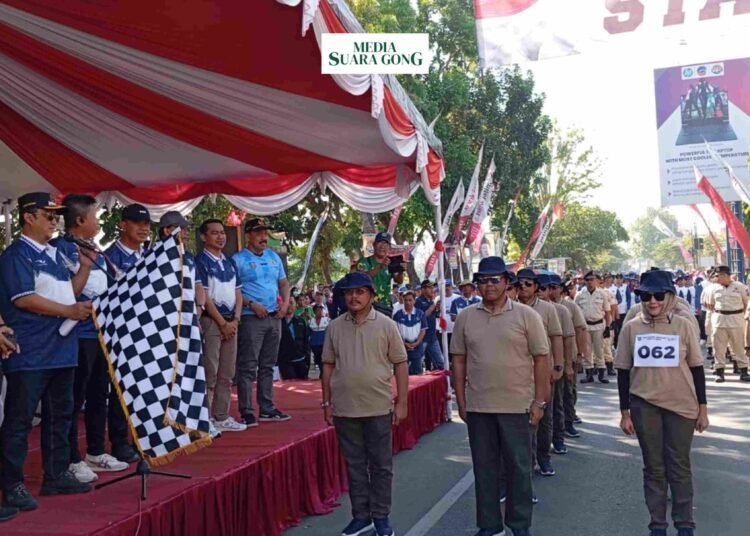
<point>522,532</point>
<point>383,526</point>
<point>546,469</point>
<point>559,448</point>
<point>685,531</point>
<point>658,532</point>
<point>357,527</point>
<point>490,532</point>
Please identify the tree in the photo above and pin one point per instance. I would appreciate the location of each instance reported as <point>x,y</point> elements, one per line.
<point>586,235</point>
<point>644,237</point>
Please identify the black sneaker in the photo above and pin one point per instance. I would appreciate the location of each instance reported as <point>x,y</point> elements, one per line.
<point>126,453</point>
<point>577,420</point>
<point>357,527</point>
<point>65,484</point>
<point>383,526</point>
<point>249,420</point>
<point>545,469</point>
<point>7,513</point>
<point>559,448</point>
<point>273,416</point>
<point>19,497</point>
<point>570,431</point>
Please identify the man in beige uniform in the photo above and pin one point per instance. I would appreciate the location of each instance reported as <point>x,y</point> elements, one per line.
<point>564,294</point>
<point>596,309</point>
<point>728,301</point>
<point>608,334</point>
<point>708,287</point>
<point>363,350</point>
<point>502,380</point>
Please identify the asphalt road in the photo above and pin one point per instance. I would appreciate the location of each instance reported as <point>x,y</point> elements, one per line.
<point>598,487</point>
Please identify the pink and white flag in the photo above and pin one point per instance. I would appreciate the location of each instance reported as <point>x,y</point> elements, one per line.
<point>470,200</point>
<point>483,206</point>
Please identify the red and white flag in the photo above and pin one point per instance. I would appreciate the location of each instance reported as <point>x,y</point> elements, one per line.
<point>715,240</point>
<point>483,206</point>
<point>534,235</point>
<point>394,219</point>
<point>456,200</point>
<point>734,225</point>
<point>470,200</point>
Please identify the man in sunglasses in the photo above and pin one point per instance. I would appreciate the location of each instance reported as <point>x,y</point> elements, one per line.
<point>502,379</point>
<point>729,301</point>
<point>596,309</point>
<point>529,286</point>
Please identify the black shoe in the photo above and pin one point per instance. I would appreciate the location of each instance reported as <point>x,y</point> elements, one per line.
<point>249,420</point>
<point>577,420</point>
<point>735,368</point>
<point>273,416</point>
<point>559,448</point>
<point>20,498</point>
<point>602,378</point>
<point>125,453</point>
<point>7,513</point>
<point>65,484</point>
<point>589,376</point>
<point>744,376</point>
<point>611,369</point>
<point>570,431</point>
<point>719,372</point>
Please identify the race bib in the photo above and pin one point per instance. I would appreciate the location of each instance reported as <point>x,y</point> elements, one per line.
<point>659,351</point>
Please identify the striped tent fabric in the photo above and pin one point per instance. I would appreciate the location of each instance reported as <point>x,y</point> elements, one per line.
<point>163,102</point>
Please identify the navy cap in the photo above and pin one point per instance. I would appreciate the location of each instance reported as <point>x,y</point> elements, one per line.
<point>723,270</point>
<point>512,277</point>
<point>173,218</point>
<point>491,266</point>
<point>527,273</point>
<point>464,283</point>
<point>355,280</point>
<point>591,273</point>
<point>35,200</point>
<point>555,280</point>
<point>382,237</point>
<point>256,224</point>
<point>135,212</point>
<point>426,283</point>
<point>656,281</point>
<point>544,280</point>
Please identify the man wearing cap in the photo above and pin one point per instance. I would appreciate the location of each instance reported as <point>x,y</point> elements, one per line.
<point>412,325</point>
<point>220,323</point>
<point>448,297</point>
<point>431,309</point>
<point>529,285</point>
<point>619,289</point>
<point>36,294</point>
<point>264,283</point>
<point>708,288</point>
<point>729,302</point>
<point>135,230</point>
<point>466,298</point>
<point>381,271</point>
<point>610,330</point>
<point>363,351</point>
<point>596,309</point>
<point>502,380</point>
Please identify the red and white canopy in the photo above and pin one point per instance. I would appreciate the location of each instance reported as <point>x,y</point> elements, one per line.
<point>164,102</point>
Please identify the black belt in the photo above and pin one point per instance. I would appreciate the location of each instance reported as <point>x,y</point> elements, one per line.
<point>739,311</point>
<point>594,323</point>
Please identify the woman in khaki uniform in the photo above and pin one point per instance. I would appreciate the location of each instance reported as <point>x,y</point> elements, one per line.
<point>662,390</point>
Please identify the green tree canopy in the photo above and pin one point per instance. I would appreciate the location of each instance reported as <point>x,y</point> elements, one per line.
<point>645,238</point>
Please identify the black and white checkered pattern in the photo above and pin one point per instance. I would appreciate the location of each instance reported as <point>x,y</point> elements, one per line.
<point>149,328</point>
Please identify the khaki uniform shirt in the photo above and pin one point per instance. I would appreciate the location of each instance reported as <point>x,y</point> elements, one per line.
<point>730,298</point>
<point>566,320</point>
<point>578,320</point>
<point>548,312</point>
<point>363,355</point>
<point>594,306</point>
<point>499,350</point>
<point>669,388</point>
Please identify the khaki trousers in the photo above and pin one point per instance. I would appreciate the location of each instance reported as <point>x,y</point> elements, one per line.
<point>219,360</point>
<point>709,330</point>
<point>735,339</point>
<point>607,350</point>
<point>594,358</point>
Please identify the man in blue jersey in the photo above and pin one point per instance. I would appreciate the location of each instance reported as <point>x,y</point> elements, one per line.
<point>265,297</point>
<point>431,309</point>
<point>412,325</point>
<point>36,294</point>
<point>218,275</point>
<point>467,298</point>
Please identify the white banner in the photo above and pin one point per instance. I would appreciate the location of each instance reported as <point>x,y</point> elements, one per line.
<point>663,228</point>
<point>483,205</point>
<point>456,200</point>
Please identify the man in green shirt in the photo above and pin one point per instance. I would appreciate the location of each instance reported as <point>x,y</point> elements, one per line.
<point>382,272</point>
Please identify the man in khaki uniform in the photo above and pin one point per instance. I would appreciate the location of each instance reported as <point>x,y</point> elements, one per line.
<point>502,380</point>
<point>596,309</point>
<point>564,294</point>
<point>728,301</point>
<point>528,288</point>
<point>708,287</point>
<point>363,350</point>
<point>608,334</point>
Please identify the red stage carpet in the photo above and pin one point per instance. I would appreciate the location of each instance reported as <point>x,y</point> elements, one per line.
<point>253,483</point>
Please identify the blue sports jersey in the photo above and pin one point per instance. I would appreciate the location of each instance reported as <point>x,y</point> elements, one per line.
<point>462,303</point>
<point>424,304</point>
<point>410,324</point>
<point>259,277</point>
<point>122,257</point>
<point>218,275</point>
<point>26,268</point>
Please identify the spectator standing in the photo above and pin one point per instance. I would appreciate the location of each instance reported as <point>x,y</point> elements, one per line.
<point>430,307</point>
<point>294,350</point>
<point>412,325</point>
<point>318,326</point>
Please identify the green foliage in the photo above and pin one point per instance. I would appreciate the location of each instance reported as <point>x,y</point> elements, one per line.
<point>646,240</point>
<point>588,236</point>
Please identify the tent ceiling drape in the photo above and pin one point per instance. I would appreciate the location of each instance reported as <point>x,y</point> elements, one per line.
<point>165,102</point>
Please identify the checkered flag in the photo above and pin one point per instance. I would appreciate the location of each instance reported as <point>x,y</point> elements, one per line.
<point>150,335</point>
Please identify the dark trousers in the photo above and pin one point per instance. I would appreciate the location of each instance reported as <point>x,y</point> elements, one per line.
<point>295,370</point>
<point>102,396</point>
<point>665,439</point>
<point>54,387</point>
<point>701,317</point>
<point>617,324</point>
<point>416,360</point>
<point>257,351</point>
<point>542,440</point>
<point>86,387</point>
<point>318,356</point>
<point>558,411</point>
<point>368,451</point>
<point>501,442</point>
<point>570,397</point>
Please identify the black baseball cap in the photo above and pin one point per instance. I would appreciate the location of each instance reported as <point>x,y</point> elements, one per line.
<point>135,212</point>
<point>35,200</point>
<point>382,237</point>
<point>256,224</point>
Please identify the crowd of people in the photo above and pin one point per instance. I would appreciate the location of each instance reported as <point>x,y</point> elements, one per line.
<point>517,343</point>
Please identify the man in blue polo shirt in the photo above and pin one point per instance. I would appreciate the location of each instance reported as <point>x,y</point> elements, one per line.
<point>265,296</point>
<point>220,323</point>
<point>36,294</point>
<point>412,325</point>
<point>466,298</point>
<point>431,309</point>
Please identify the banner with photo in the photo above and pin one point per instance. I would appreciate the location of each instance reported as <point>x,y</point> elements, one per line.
<point>700,107</point>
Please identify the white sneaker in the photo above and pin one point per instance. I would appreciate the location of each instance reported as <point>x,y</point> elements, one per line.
<point>82,472</point>
<point>105,463</point>
<point>230,425</point>
<point>213,432</point>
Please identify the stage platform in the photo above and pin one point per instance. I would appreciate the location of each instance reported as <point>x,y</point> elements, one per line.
<point>253,483</point>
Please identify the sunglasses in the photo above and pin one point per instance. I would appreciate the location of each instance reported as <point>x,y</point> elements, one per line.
<point>589,280</point>
<point>527,284</point>
<point>489,280</point>
<point>658,296</point>
<point>543,288</point>
<point>51,216</point>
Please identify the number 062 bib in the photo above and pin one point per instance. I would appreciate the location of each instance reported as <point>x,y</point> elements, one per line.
<point>657,351</point>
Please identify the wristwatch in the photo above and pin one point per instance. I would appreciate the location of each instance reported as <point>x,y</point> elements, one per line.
<point>540,404</point>
<point>557,368</point>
